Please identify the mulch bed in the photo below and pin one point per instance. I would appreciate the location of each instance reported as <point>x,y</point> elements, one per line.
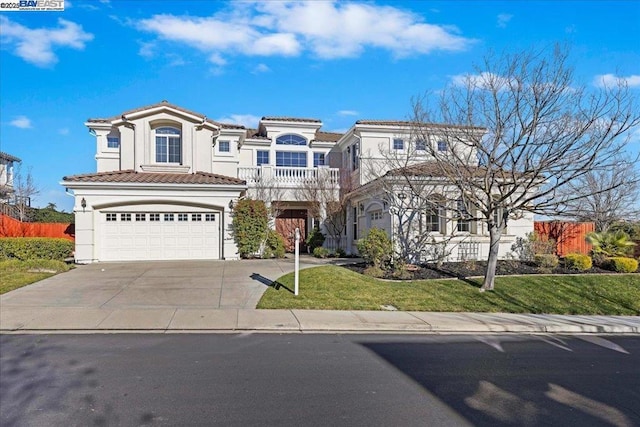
<point>476,268</point>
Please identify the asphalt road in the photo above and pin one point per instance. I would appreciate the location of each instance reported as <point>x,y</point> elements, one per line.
<point>318,380</point>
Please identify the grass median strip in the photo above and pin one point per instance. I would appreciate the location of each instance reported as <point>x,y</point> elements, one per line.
<point>337,288</point>
<point>15,274</point>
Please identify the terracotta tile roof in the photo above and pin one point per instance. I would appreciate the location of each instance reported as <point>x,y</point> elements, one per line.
<point>433,169</point>
<point>9,157</point>
<point>129,176</point>
<point>255,134</point>
<point>165,103</point>
<point>407,123</point>
<point>291,119</point>
<point>328,136</point>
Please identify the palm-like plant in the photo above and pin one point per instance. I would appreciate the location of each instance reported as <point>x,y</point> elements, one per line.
<point>610,243</point>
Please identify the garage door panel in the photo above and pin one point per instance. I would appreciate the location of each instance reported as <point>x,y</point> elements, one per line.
<point>162,235</point>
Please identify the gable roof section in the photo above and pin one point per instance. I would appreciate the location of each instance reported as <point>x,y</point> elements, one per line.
<point>166,104</point>
<point>9,157</point>
<point>328,136</point>
<point>129,176</point>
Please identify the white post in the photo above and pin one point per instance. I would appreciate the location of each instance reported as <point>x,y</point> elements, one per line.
<point>296,274</point>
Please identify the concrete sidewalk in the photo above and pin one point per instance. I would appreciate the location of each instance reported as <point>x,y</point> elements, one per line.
<point>179,320</point>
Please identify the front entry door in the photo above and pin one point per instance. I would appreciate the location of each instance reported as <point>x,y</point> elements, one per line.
<point>286,224</point>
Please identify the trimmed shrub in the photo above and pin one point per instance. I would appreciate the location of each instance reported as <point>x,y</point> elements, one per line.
<point>340,253</point>
<point>15,264</point>
<point>320,252</point>
<point>274,246</point>
<point>621,264</point>
<point>28,248</point>
<point>374,271</point>
<point>376,249</point>
<point>250,225</point>
<point>315,239</point>
<point>546,261</point>
<point>579,262</point>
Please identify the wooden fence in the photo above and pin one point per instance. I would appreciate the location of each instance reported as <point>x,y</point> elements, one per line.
<point>11,227</point>
<point>569,236</point>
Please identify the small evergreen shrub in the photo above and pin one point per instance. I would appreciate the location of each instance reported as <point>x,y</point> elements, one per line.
<point>274,246</point>
<point>340,253</point>
<point>546,261</point>
<point>320,252</point>
<point>315,239</point>
<point>579,262</point>
<point>28,248</point>
<point>250,226</point>
<point>527,248</point>
<point>376,249</point>
<point>621,264</point>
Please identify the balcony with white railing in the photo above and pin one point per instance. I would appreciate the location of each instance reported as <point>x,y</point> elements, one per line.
<point>288,177</point>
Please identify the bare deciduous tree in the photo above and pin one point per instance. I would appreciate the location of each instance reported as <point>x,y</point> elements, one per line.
<point>25,189</point>
<point>543,132</point>
<point>609,195</point>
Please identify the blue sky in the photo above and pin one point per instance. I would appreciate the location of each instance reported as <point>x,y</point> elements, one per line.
<point>239,61</point>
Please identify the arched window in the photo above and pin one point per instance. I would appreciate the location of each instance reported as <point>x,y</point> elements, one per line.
<point>168,145</point>
<point>290,139</point>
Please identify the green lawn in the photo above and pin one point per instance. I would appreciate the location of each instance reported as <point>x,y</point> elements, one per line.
<point>15,274</point>
<point>337,288</point>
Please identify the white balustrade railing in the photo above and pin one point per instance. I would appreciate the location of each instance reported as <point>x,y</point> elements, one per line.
<point>288,176</point>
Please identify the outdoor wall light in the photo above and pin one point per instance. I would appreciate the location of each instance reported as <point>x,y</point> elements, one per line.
<point>402,196</point>
<point>231,204</point>
<point>83,203</point>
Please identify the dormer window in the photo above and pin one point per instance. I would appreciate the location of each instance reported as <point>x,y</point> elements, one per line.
<point>168,145</point>
<point>290,139</point>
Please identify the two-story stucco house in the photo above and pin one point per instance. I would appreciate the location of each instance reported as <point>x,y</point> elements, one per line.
<point>167,179</point>
<point>7,162</point>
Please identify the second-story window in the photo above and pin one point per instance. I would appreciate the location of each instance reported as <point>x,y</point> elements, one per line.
<point>262,158</point>
<point>113,142</point>
<point>442,145</point>
<point>318,159</point>
<point>168,145</point>
<point>421,145</point>
<point>291,159</point>
<point>398,144</point>
<point>224,147</point>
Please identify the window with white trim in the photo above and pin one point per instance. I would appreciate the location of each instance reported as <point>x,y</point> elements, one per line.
<point>154,217</point>
<point>375,215</point>
<point>421,145</point>
<point>398,144</point>
<point>168,217</point>
<point>168,145</point>
<point>442,145</point>
<point>113,141</point>
<point>262,157</point>
<point>291,159</point>
<point>141,217</point>
<point>196,217</point>
<point>112,217</point>
<point>209,217</point>
<point>224,147</point>
<point>125,217</point>
<point>464,217</point>
<point>318,159</point>
<point>290,139</point>
<point>432,219</point>
<point>183,217</point>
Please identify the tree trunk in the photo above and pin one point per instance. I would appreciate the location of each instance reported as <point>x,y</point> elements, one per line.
<point>495,233</point>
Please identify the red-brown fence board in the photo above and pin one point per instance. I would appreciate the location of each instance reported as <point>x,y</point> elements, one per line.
<point>11,227</point>
<point>569,236</point>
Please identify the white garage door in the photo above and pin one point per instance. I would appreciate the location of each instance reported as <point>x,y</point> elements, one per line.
<point>159,235</point>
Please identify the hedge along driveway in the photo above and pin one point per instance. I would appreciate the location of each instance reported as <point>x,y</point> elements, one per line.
<point>337,288</point>
<point>26,248</point>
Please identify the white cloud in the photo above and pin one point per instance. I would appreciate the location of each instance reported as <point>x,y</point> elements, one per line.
<point>503,19</point>
<point>246,120</point>
<point>348,113</point>
<point>37,46</point>
<point>326,30</point>
<point>603,80</point>
<point>22,122</point>
<point>261,68</point>
<point>147,49</point>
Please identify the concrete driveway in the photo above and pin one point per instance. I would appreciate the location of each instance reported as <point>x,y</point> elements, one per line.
<point>157,284</point>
